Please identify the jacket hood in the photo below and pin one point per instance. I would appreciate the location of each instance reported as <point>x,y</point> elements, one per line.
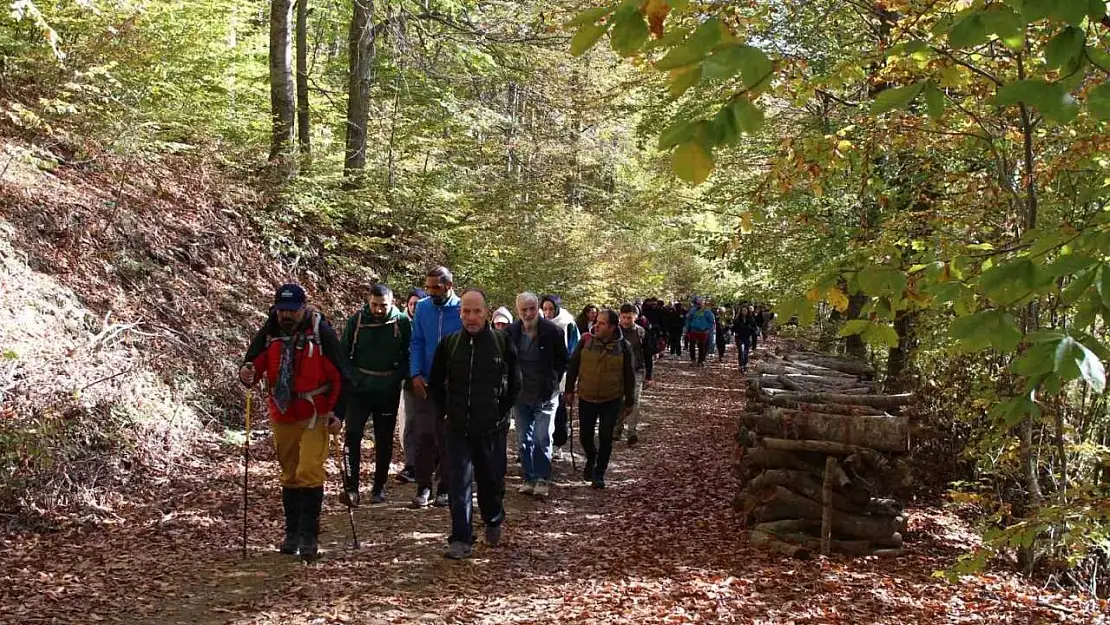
<point>563,319</point>
<point>503,313</point>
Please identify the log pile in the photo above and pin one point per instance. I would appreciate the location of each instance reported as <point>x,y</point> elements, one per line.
<point>817,449</point>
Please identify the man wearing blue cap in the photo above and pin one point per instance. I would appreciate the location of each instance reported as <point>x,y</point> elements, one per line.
<point>297,355</point>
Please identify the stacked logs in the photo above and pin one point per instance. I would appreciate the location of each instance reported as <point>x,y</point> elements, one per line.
<point>817,449</point>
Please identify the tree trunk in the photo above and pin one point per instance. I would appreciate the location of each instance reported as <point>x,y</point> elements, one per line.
<point>885,433</point>
<point>282,104</point>
<point>886,402</point>
<point>843,409</point>
<point>304,129</point>
<point>361,40</point>
<point>853,344</point>
<point>899,359</point>
<point>781,503</point>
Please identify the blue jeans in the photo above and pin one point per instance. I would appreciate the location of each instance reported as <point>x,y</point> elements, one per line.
<point>744,347</point>
<point>535,427</point>
<point>475,461</point>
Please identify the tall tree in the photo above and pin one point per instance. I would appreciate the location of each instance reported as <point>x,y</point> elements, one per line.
<point>362,41</point>
<point>304,128</point>
<point>282,105</point>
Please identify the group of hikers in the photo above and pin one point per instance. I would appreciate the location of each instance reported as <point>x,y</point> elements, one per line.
<point>456,375</point>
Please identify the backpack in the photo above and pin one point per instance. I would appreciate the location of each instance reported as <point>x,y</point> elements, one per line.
<point>359,325</point>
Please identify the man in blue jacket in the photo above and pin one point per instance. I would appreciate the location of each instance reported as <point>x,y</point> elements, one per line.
<point>436,317</point>
<point>699,325</point>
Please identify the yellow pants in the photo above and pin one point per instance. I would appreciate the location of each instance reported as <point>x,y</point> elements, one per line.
<point>301,453</point>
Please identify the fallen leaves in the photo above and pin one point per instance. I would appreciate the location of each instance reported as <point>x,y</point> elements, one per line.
<point>661,545</point>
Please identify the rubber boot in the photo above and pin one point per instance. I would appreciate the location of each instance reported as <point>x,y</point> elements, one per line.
<point>312,501</point>
<point>291,500</point>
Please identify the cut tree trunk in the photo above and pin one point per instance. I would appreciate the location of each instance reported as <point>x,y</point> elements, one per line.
<point>771,543</point>
<point>887,402</point>
<point>806,484</point>
<point>842,409</point>
<point>759,458</point>
<point>782,503</point>
<point>884,433</point>
<point>283,107</point>
<point>873,458</point>
<point>836,364</point>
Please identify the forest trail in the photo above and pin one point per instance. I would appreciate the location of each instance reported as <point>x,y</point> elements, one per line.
<point>660,545</point>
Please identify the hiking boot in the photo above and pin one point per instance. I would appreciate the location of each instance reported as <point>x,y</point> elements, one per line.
<point>458,550</point>
<point>493,535</point>
<point>557,454</point>
<point>527,488</point>
<point>310,522</point>
<point>423,497</point>
<point>542,489</point>
<point>377,495</point>
<point>588,472</point>
<point>598,483</point>
<point>633,439</point>
<point>442,500</point>
<point>291,501</point>
<point>349,498</point>
<point>407,475</point>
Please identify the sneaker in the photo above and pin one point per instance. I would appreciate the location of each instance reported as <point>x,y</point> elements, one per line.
<point>557,454</point>
<point>349,498</point>
<point>377,495</point>
<point>527,488</point>
<point>633,439</point>
<point>588,472</point>
<point>598,483</point>
<point>542,489</point>
<point>407,474</point>
<point>442,501</point>
<point>423,498</point>
<point>493,535</point>
<point>458,550</point>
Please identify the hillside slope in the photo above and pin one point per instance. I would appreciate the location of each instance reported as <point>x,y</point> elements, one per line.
<point>129,286</point>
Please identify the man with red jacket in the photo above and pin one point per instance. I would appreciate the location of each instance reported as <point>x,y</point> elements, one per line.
<point>303,384</point>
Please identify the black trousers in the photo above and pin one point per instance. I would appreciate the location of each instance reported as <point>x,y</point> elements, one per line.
<point>600,418</point>
<point>475,460</point>
<point>380,409</point>
<point>562,425</point>
<point>674,340</point>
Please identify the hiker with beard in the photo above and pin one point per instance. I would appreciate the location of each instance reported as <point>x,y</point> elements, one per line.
<point>475,380</point>
<point>436,317</point>
<point>408,429</point>
<point>601,371</point>
<point>376,339</point>
<point>542,351</point>
<point>296,353</point>
<point>554,312</point>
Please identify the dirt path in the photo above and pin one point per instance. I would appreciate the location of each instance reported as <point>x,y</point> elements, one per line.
<point>660,545</point>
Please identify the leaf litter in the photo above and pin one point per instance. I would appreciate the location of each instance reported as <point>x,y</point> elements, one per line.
<point>660,545</point>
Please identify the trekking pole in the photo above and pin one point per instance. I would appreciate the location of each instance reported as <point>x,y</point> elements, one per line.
<point>570,422</point>
<point>246,466</point>
<point>341,450</point>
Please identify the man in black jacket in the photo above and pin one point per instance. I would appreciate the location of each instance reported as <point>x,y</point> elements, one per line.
<point>475,380</point>
<point>542,350</point>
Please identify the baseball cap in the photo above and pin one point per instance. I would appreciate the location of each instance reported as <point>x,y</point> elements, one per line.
<point>289,297</point>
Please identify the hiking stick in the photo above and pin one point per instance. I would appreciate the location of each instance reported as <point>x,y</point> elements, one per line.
<point>570,422</point>
<point>246,466</point>
<point>341,450</point>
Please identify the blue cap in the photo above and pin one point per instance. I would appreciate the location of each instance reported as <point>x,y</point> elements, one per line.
<point>289,297</point>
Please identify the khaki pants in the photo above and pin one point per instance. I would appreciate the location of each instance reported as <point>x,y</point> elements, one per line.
<point>301,453</point>
<point>633,418</point>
